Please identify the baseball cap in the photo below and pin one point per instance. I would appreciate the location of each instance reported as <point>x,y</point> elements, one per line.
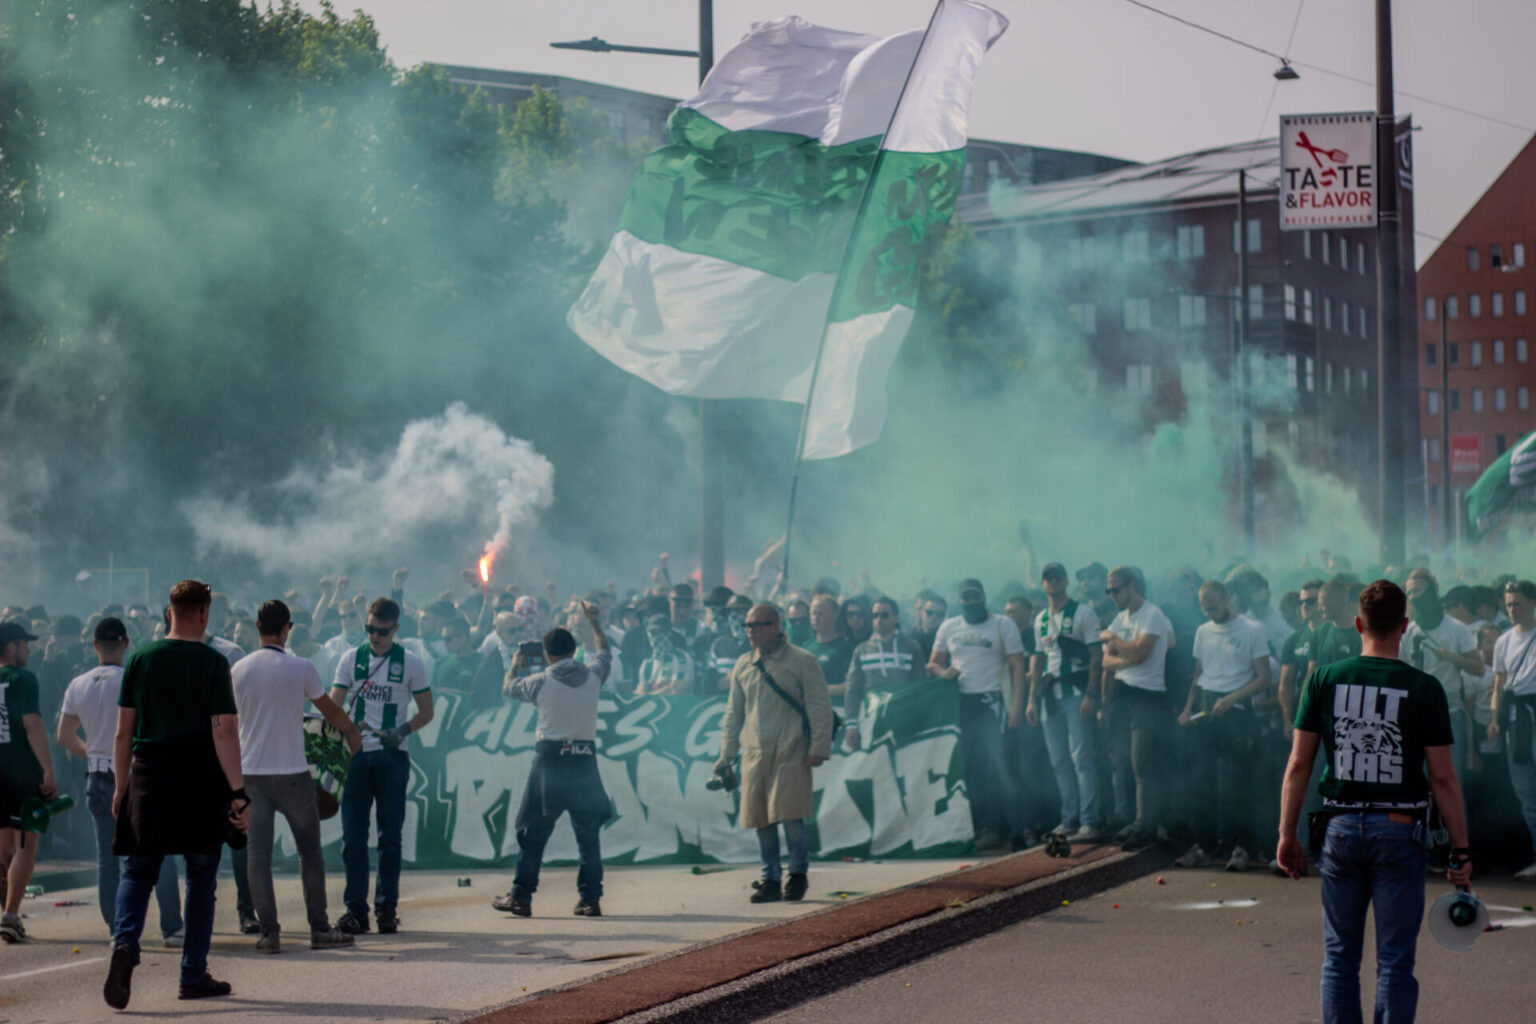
<point>10,632</point>
<point>718,597</point>
<point>967,585</point>
<point>111,630</point>
<point>1054,570</point>
<point>1092,569</point>
<point>739,603</point>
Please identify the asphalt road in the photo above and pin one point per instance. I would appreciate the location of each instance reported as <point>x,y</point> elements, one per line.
<point>454,954</point>
<point>1205,946</point>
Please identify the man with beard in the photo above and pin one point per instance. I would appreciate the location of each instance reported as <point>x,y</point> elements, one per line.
<point>983,653</point>
<point>830,646</point>
<point>885,658</point>
<point>729,646</point>
<point>778,718</point>
<point>1438,644</point>
<point>1065,684</point>
<point>930,612</point>
<point>670,668</point>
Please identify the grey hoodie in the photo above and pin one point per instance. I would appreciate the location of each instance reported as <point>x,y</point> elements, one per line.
<point>567,711</point>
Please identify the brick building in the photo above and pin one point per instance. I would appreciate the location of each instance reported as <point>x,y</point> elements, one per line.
<point>1475,327</point>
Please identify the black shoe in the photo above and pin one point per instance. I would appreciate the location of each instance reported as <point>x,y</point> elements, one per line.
<point>794,888</point>
<point>505,902</point>
<point>388,923</point>
<point>768,891</point>
<point>249,925</point>
<point>587,908</point>
<point>204,988</point>
<point>352,924</point>
<point>120,976</point>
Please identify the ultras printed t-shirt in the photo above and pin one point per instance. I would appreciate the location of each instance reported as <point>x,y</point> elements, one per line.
<point>1375,717</point>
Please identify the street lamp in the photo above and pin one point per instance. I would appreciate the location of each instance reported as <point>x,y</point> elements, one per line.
<point>1286,73</point>
<point>596,45</point>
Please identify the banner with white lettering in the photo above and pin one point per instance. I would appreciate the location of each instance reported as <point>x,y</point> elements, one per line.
<point>1327,171</point>
<point>901,795</point>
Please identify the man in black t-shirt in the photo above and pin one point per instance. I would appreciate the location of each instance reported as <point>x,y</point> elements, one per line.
<point>26,770</point>
<point>1378,722</point>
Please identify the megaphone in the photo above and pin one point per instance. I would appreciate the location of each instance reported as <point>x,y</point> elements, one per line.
<point>1457,919</point>
<point>36,812</point>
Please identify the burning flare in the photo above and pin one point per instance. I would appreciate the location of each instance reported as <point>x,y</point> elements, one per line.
<point>485,567</point>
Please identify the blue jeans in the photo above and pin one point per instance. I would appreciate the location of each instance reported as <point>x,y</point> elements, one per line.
<point>1070,741</point>
<point>376,779</point>
<point>140,873</point>
<point>1523,778</point>
<point>98,801</point>
<point>799,851</point>
<point>1371,861</point>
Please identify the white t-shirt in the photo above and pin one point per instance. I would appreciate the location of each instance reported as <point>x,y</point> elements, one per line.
<point>1226,653</point>
<point>380,702</point>
<point>1514,656</point>
<point>1128,625</point>
<point>979,651</point>
<point>1450,634</point>
<point>92,698</point>
<point>232,651</point>
<point>271,687</point>
<point>1276,630</point>
<point>1084,627</point>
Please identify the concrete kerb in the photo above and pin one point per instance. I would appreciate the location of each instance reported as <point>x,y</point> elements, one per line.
<point>651,992</point>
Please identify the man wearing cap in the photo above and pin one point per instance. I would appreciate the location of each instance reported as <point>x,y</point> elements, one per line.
<point>983,652</point>
<point>669,669</point>
<point>1065,686</point>
<point>26,770</point>
<point>1092,582</point>
<point>90,703</point>
<point>714,626</point>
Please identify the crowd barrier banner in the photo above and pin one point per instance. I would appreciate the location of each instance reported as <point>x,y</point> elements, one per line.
<point>901,795</point>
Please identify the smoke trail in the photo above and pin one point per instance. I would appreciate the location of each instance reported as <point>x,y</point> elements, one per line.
<point>451,475</point>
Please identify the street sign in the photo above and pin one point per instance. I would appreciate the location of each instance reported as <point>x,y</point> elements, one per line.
<point>1327,171</point>
<point>1466,453</point>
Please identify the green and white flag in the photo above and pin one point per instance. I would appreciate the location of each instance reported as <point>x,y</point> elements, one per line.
<point>725,268</point>
<point>1508,487</point>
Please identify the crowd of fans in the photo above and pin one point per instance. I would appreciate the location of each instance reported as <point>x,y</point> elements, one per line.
<point>1111,704</point>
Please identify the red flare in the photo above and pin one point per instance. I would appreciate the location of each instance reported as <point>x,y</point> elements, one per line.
<point>485,568</point>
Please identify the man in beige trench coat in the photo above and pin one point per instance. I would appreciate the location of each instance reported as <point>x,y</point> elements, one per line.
<point>779,719</point>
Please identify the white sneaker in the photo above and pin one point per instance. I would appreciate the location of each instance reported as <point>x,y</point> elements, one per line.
<point>1526,874</point>
<point>1087,834</point>
<point>1239,860</point>
<point>1194,857</point>
<point>11,929</point>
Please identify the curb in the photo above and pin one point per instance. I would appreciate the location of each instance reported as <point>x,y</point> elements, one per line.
<point>769,969</point>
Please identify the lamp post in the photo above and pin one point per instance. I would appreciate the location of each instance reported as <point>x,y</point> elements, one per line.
<point>711,493</point>
<point>1389,319</point>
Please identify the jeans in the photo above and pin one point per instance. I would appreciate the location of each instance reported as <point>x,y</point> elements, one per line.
<point>1138,724</point>
<point>140,873</point>
<point>376,779</point>
<point>1370,860</point>
<point>1523,778</point>
<point>293,796</point>
<point>988,782</point>
<point>799,851</point>
<point>98,801</point>
<point>239,867</point>
<point>1223,773</point>
<point>1070,741</point>
<point>563,781</point>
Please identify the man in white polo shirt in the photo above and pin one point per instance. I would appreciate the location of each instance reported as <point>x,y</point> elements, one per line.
<point>271,687</point>
<point>1231,666</point>
<point>90,703</point>
<point>1136,701</point>
<point>1514,685</point>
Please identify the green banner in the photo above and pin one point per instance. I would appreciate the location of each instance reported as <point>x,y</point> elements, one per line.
<point>1507,487</point>
<point>902,795</point>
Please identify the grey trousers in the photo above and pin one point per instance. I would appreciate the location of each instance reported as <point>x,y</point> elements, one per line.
<point>293,796</point>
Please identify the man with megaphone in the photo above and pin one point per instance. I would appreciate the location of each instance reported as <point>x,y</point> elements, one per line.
<point>1380,722</point>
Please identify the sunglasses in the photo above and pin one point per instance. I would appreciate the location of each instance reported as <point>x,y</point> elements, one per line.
<point>381,630</point>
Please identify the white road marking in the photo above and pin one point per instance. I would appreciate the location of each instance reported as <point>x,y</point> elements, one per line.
<point>55,967</point>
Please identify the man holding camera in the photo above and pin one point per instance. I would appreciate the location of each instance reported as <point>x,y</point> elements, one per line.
<point>565,775</point>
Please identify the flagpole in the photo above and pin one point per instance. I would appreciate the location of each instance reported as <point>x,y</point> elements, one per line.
<point>842,271</point>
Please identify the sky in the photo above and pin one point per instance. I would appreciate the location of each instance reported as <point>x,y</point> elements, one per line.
<point>1098,75</point>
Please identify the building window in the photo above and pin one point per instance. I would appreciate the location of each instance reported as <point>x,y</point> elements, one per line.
<point>1195,376</point>
<point>1290,302</point>
<point>1322,239</point>
<point>1471,257</point>
<point>1432,402</point>
<point>1475,353</point>
<point>1519,303</point>
<point>1500,443</point>
<point>1474,305</point>
<point>1451,307</point>
<point>1306,245</point>
<point>1365,382</point>
<point>1517,254</point>
<point>1477,399</point>
<point>1255,301</point>
<point>1498,400</point>
<point>1346,380</point>
<point>1498,350</point>
<point>1327,313</point>
<point>1434,449</point>
<point>616,124</point>
<point>1452,353</point>
<point>1327,378</point>
<point>1453,400</point>
<point>1429,355</point>
<point>1434,495</point>
<point>1138,314</point>
<point>1133,247</point>
<point>1343,316</point>
<point>1255,238</point>
<point>1190,241</point>
<point>1360,263</point>
<point>1365,322</point>
<point>1496,304</point>
<point>1306,305</point>
<point>1290,370</point>
<point>1429,307</point>
<point>1138,379</point>
<point>1519,350</point>
<point>1522,397</point>
<point>1495,256</point>
<point>994,170</point>
<point>1311,374</point>
<point>1343,254</point>
<point>1191,310</point>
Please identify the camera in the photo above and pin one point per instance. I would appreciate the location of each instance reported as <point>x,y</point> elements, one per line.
<point>725,778</point>
<point>533,654</point>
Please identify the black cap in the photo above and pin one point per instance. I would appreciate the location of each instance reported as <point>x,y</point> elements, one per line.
<point>1092,569</point>
<point>739,603</point>
<point>111,630</point>
<point>971,583</point>
<point>682,591</point>
<point>719,597</point>
<point>1053,570</point>
<point>10,632</point>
